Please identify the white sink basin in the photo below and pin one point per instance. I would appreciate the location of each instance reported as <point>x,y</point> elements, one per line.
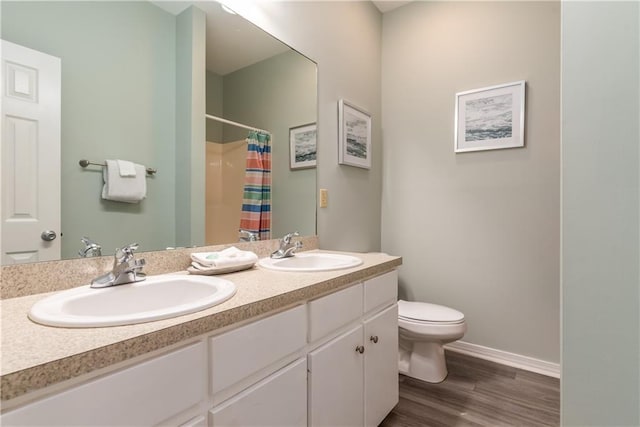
<point>158,297</point>
<point>313,261</point>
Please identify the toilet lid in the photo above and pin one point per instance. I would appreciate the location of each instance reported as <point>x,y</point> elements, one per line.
<point>423,311</point>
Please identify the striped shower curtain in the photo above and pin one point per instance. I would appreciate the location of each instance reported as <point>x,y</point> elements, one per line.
<point>256,200</point>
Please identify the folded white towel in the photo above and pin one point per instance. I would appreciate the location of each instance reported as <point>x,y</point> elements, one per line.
<point>126,168</point>
<point>196,268</point>
<point>226,258</point>
<point>128,189</point>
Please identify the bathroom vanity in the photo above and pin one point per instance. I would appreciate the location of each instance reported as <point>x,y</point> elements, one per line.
<point>288,349</point>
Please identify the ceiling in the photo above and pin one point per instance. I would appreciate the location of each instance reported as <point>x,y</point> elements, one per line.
<point>388,5</point>
<point>232,41</point>
<point>249,44</point>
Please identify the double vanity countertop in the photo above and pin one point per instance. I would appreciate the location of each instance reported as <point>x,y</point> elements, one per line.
<point>36,356</point>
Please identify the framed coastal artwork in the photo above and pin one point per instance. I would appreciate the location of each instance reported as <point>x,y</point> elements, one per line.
<point>490,118</point>
<point>303,150</point>
<point>354,140</point>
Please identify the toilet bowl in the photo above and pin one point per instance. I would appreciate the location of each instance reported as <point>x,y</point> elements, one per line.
<point>423,330</point>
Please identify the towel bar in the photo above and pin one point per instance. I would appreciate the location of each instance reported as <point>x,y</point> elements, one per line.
<point>84,163</point>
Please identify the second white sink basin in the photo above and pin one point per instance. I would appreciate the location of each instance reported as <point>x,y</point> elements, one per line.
<point>157,297</point>
<point>311,261</point>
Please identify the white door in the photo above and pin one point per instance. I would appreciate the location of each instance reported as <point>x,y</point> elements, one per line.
<point>335,382</point>
<point>380,365</point>
<point>31,86</point>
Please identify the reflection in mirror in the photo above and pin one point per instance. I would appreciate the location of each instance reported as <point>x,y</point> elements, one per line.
<point>123,92</point>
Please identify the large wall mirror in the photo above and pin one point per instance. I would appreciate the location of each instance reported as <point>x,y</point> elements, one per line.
<point>121,95</point>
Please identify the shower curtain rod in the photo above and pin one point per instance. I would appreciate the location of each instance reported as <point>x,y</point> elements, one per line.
<point>220,119</point>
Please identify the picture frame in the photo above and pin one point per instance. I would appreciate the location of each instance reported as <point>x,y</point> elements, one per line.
<point>303,146</point>
<point>354,136</point>
<point>490,118</point>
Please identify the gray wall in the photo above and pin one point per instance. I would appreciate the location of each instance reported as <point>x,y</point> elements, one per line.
<point>214,101</point>
<point>277,94</point>
<point>477,231</point>
<point>190,127</point>
<point>600,214</point>
<point>344,39</point>
<point>109,110</point>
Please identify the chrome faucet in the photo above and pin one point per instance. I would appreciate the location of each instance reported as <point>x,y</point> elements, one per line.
<point>248,236</point>
<point>91,248</point>
<point>126,269</point>
<point>287,248</point>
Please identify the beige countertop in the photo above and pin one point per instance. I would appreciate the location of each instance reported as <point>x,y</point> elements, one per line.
<point>35,356</point>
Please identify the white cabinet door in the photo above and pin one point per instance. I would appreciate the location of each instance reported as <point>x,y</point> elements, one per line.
<point>278,400</point>
<point>380,365</point>
<point>335,382</point>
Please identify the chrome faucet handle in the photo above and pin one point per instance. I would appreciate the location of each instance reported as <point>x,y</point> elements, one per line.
<point>125,253</point>
<point>87,241</point>
<point>91,248</point>
<point>286,249</point>
<point>126,269</point>
<point>122,257</point>
<point>248,236</point>
<point>287,238</point>
<point>130,248</point>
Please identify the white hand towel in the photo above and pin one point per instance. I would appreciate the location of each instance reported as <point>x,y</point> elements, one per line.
<point>226,258</point>
<point>126,168</point>
<point>128,189</point>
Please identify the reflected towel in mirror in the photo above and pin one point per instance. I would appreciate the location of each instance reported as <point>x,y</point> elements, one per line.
<point>226,258</point>
<point>126,168</point>
<point>128,189</point>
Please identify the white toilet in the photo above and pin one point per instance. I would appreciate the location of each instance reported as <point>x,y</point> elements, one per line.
<point>423,330</point>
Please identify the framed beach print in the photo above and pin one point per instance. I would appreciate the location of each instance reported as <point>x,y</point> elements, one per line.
<point>354,143</point>
<point>490,118</point>
<point>303,151</point>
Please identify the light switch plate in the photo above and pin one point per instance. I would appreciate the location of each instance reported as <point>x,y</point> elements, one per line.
<point>324,197</point>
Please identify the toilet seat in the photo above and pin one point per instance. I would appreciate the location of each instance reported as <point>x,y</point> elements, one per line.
<point>425,313</point>
<point>405,321</point>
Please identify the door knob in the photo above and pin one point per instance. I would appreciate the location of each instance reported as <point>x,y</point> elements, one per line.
<point>48,235</point>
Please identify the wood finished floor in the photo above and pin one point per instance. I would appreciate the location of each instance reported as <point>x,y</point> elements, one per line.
<point>478,393</point>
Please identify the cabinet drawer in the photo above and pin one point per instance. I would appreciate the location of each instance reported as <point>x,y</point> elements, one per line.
<point>278,400</point>
<point>242,352</point>
<point>329,313</point>
<point>143,395</point>
<point>380,291</point>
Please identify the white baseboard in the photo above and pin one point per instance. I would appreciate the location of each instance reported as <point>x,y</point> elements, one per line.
<point>505,358</point>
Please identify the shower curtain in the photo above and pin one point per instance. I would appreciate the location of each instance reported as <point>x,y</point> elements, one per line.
<point>256,200</point>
